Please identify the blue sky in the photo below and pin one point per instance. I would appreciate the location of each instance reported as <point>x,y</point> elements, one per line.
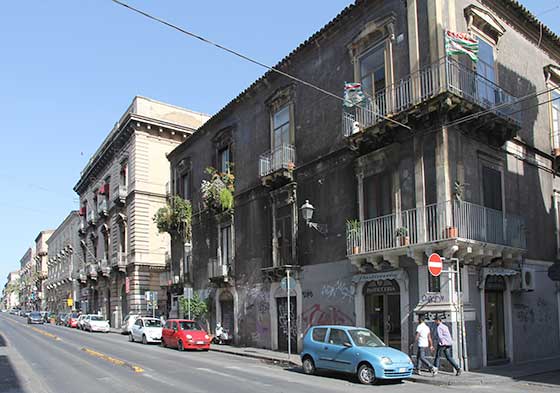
<point>68,69</point>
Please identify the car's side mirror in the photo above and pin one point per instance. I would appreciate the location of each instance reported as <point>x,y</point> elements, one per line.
<point>347,344</point>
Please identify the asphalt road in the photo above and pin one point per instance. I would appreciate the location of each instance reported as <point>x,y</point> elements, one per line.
<point>47,358</point>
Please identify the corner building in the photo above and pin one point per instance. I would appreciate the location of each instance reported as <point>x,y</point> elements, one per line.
<point>121,188</point>
<point>483,190</point>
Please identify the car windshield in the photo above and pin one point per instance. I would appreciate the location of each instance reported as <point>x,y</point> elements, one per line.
<point>35,315</point>
<point>96,318</point>
<point>74,316</point>
<point>152,323</point>
<point>187,325</point>
<point>365,338</point>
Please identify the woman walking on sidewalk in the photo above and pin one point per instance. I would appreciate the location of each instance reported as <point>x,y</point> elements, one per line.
<point>444,343</point>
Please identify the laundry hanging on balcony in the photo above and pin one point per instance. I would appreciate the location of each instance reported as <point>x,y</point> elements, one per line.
<point>461,43</point>
<point>353,94</point>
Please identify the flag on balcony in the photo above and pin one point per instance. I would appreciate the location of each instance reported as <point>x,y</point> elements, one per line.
<point>353,94</point>
<point>461,43</point>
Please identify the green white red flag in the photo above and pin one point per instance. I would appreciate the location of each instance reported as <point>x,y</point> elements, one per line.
<point>353,94</point>
<point>461,43</point>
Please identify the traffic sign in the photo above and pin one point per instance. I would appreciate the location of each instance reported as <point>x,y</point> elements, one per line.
<point>70,302</point>
<point>435,264</point>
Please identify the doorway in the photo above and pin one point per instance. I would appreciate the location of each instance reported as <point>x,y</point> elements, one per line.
<point>226,306</point>
<point>495,328</point>
<point>124,302</point>
<point>282,322</point>
<point>383,311</point>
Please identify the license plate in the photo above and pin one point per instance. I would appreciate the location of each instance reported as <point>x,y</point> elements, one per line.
<point>402,370</point>
<point>200,342</point>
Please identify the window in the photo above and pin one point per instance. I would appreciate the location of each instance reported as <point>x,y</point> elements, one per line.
<point>319,334</point>
<point>106,237</point>
<point>378,195</point>
<point>485,68</point>
<point>555,118</point>
<point>225,244</point>
<point>434,283</point>
<point>223,160</point>
<point>372,70</point>
<point>123,176</point>
<point>122,237</point>
<point>492,188</point>
<point>281,127</point>
<point>186,186</point>
<point>338,337</point>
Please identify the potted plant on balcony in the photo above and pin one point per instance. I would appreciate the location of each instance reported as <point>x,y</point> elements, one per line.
<point>402,236</point>
<point>291,166</point>
<point>353,231</point>
<point>458,192</point>
<point>175,218</point>
<point>217,193</point>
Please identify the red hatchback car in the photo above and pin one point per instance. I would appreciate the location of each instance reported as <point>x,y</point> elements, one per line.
<point>184,334</point>
<point>72,320</point>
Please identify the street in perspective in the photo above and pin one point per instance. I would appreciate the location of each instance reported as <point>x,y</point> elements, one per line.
<point>367,198</point>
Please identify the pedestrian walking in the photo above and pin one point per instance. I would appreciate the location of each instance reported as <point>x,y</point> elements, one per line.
<point>444,343</point>
<point>424,342</point>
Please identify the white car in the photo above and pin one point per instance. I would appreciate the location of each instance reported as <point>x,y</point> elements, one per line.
<point>127,323</point>
<point>147,330</point>
<point>96,323</point>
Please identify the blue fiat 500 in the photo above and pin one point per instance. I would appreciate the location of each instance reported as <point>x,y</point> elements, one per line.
<point>353,350</point>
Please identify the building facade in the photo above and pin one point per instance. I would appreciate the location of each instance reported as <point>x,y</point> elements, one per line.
<point>120,189</point>
<point>10,293</point>
<point>443,155</point>
<point>64,265</point>
<point>27,294</point>
<point>41,266</point>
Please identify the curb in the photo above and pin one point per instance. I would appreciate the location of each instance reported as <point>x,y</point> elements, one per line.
<point>283,362</point>
<point>479,380</point>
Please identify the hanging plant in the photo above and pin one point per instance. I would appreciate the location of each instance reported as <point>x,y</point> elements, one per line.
<point>175,218</point>
<point>217,193</point>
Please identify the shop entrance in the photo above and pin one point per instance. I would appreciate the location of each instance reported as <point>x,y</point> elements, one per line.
<point>383,310</point>
<point>495,332</point>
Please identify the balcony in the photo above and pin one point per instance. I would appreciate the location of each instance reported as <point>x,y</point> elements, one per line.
<point>104,267</point>
<point>122,261</point>
<point>82,228</point>
<point>276,166</point>
<point>218,272</point>
<point>427,90</point>
<point>479,232</point>
<point>120,194</point>
<point>91,217</point>
<point>102,208</point>
<point>91,270</point>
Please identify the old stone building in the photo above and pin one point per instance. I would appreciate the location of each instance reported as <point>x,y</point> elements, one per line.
<point>120,189</point>
<point>64,264</point>
<point>445,155</point>
<point>41,266</point>
<point>27,294</point>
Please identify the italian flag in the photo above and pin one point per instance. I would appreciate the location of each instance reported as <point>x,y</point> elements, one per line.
<point>461,43</point>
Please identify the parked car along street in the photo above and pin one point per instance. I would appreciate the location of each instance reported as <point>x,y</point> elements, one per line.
<point>127,323</point>
<point>147,330</point>
<point>353,350</point>
<point>96,323</point>
<point>35,317</point>
<point>184,334</point>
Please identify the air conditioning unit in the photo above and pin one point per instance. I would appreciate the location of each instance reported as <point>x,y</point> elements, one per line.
<point>527,279</point>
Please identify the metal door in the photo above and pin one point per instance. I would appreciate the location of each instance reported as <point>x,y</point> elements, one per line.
<point>282,322</point>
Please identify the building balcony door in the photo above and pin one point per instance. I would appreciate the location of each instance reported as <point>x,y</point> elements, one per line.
<point>383,311</point>
<point>495,331</point>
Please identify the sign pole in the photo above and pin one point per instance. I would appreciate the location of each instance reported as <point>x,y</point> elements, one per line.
<point>461,317</point>
<point>289,317</point>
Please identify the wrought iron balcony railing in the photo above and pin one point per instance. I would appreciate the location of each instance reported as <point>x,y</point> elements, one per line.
<point>444,76</point>
<point>120,194</point>
<point>437,222</point>
<point>217,270</point>
<point>282,157</point>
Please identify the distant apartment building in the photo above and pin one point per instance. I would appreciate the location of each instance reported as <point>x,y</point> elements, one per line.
<point>121,188</point>
<point>41,266</point>
<point>64,264</point>
<point>27,293</point>
<point>11,289</point>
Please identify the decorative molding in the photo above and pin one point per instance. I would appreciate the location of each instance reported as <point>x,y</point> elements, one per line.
<point>484,21</point>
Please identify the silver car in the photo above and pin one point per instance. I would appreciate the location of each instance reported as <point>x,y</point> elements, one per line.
<point>127,323</point>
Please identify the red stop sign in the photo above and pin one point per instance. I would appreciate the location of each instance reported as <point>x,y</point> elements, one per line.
<point>435,264</point>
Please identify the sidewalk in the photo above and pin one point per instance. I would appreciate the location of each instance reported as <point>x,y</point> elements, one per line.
<point>257,353</point>
<point>490,375</point>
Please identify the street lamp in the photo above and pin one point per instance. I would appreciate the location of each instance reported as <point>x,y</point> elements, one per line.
<point>307,210</point>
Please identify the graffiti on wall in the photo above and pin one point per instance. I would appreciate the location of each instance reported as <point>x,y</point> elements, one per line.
<point>283,318</point>
<point>257,305</point>
<point>325,315</point>
<point>338,290</point>
<point>542,314</point>
<point>430,298</point>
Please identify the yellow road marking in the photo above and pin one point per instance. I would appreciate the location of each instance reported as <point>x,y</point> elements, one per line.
<point>44,333</point>
<point>118,362</point>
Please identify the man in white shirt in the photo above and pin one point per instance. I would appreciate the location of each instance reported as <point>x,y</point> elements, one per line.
<point>424,341</point>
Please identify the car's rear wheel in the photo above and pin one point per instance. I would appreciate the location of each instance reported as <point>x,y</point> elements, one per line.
<point>131,338</point>
<point>366,375</point>
<point>163,344</point>
<point>180,346</point>
<point>144,339</point>
<point>308,365</point>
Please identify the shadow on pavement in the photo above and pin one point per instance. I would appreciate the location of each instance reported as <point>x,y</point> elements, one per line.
<point>343,376</point>
<point>9,381</point>
<point>2,341</point>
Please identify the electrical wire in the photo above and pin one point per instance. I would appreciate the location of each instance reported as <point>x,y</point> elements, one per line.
<point>245,57</point>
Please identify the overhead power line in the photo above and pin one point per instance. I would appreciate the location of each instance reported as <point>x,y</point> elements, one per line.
<point>244,57</point>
